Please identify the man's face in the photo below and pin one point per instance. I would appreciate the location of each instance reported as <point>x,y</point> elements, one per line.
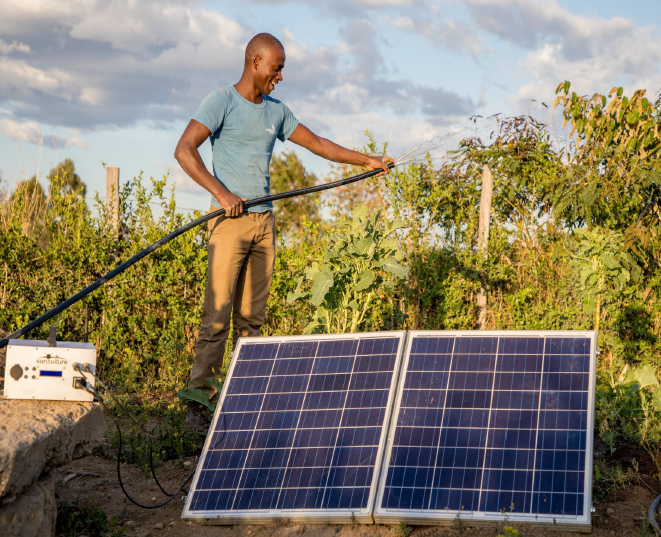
<point>269,69</point>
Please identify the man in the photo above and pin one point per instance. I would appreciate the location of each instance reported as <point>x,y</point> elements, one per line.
<point>243,123</point>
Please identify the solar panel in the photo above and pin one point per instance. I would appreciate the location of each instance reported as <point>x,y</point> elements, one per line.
<point>299,430</point>
<point>492,423</point>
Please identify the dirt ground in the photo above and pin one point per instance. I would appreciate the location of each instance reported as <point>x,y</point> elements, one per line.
<point>94,479</point>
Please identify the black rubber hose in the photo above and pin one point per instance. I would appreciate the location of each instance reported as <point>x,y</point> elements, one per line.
<point>126,264</point>
<point>651,515</point>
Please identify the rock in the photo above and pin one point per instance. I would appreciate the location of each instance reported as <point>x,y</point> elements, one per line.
<point>187,464</point>
<point>610,511</point>
<point>32,514</point>
<point>158,526</point>
<point>37,436</point>
<point>173,523</point>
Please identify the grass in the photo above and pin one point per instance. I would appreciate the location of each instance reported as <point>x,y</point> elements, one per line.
<point>74,519</point>
<point>609,479</point>
<point>171,438</point>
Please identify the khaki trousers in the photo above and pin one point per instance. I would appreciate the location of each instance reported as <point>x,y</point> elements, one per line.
<point>241,258</point>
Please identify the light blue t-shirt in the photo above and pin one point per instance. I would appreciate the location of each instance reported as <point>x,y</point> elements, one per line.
<point>242,138</point>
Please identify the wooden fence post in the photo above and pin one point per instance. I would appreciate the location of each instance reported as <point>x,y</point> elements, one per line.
<point>483,241</point>
<point>112,199</point>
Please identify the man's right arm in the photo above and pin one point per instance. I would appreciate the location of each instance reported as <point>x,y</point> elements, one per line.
<point>189,159</point>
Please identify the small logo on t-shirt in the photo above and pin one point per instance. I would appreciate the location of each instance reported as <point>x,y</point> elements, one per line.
<point>271,130</point>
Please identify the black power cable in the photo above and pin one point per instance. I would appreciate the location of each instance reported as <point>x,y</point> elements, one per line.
<point>132,261</point>
<point>96,394</point>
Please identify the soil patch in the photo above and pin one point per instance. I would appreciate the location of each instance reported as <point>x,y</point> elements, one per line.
<point>93,479</point>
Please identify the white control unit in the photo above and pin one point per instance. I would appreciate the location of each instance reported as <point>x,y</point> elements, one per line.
<point>37,370</point>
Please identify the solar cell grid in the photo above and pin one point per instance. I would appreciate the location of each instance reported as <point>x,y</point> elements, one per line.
<point>486,424</point>
<point>298,428</point>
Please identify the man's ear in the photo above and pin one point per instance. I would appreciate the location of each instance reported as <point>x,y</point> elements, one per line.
<point>255,61</point>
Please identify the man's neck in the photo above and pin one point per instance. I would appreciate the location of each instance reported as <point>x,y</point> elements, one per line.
<point>248,91</point>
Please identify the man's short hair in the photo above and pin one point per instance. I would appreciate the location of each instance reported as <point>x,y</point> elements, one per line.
<point>259,43</point>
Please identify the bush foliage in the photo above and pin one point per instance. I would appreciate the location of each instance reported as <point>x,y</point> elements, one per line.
<point>574,245</point>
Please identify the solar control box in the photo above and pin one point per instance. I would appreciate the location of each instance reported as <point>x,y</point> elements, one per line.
<point>37,370</point>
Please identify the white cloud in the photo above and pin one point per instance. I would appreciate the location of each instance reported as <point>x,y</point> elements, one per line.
<point>133,26</point>
<point>19,75</point>
<point>75,142</point>
<point>30,132</point>
<point>594,53</point>
<point>449,33</point>
<point>92,96</point>
<point>14,46</point>
<point>22,132</point>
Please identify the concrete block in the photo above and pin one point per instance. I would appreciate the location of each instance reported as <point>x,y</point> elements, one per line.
<point>33,514</point>
<point>37,436</point>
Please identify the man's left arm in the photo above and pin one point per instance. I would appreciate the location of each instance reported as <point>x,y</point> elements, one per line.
<point>329,150</point>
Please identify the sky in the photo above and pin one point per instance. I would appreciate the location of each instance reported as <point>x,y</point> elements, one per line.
<point>116,81</point>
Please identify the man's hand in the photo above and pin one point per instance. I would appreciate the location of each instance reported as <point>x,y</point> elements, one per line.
<point>375,163</point>
<point>232,203</point>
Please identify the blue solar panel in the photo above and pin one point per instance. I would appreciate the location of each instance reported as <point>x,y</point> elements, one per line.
<point>492,423</point>
<point>299,430</point>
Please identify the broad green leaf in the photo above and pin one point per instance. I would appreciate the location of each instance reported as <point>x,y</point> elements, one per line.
<point>586,273</point>
<point>363,245</point>
<point>645,375</point>
<point>365,279</point>
<point>311,270</point>
<point>623,276</point>
<point>321,284</point>
<point>322,314</point>
<point>390,244</point>
<point>359,213</point>
<point>609,261</point>
<point>294,296</point>
<point>391,265</point>
<point>309,328</point>
<point>589,304</point>
<point>194,394</point>
<point>354,305</point>
<point>216,383</point>
<point>394,225</point>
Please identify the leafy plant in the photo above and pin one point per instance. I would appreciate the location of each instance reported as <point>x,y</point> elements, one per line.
<point>631,406</point>
<point>402,530</point>
<point>605,268</point>
<point>360,261</point>
<point>196,395</point>
<point>171,439</point>
<point>74,519</point>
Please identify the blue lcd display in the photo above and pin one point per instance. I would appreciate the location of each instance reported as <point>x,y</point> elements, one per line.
<point>43,373</point>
